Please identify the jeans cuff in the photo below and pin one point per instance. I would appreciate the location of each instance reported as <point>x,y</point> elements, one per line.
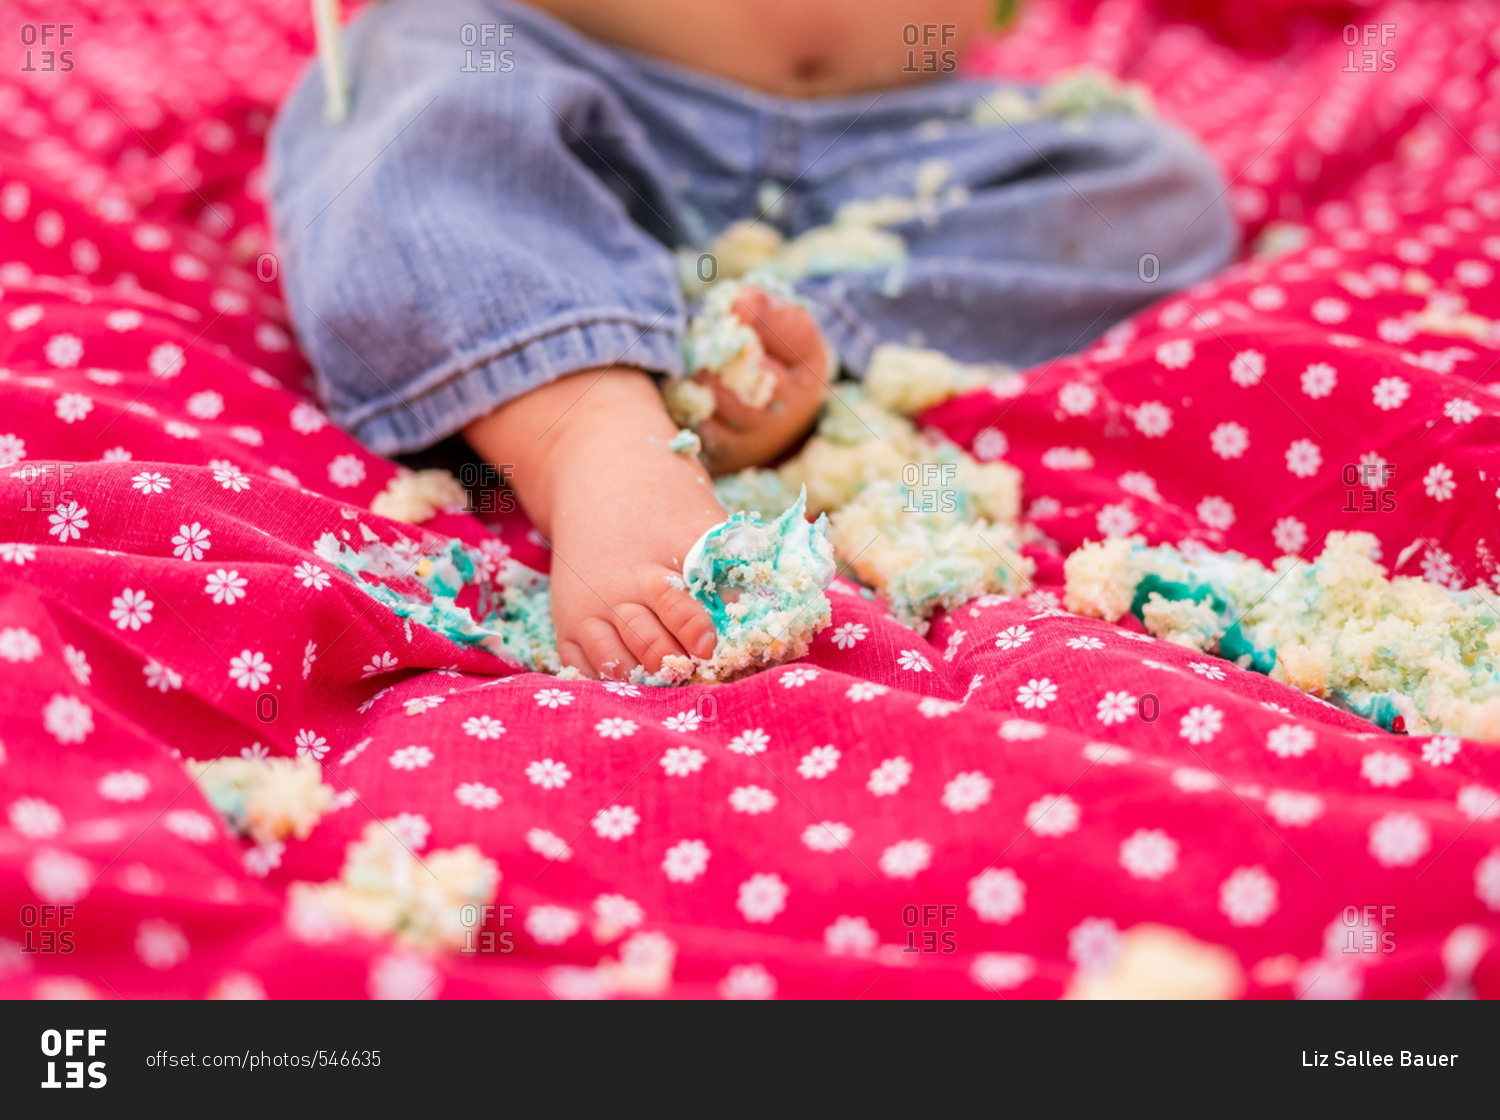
<point>851,338</point>
<point>445,399</point>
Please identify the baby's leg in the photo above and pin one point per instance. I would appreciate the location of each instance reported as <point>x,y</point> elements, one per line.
<point>467,236</point>
<point>594,473</point>
<point>460,255</point>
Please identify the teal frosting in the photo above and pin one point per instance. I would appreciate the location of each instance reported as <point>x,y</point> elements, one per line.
<point>1234,644</point>
<point>1378,709</point>
<point>794,549</point>
<point>514,614</point>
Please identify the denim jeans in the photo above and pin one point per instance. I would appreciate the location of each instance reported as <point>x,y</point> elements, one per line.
<point>501,208</point>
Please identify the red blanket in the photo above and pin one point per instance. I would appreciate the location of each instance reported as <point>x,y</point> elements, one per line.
<point>1022,802</point>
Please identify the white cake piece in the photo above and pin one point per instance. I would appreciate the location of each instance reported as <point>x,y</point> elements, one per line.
<point>385,889</point>
<point>264,799</point>
<point>414,496</point>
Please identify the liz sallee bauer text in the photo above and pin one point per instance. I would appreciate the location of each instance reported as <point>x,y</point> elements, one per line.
<point>1368,1058</point>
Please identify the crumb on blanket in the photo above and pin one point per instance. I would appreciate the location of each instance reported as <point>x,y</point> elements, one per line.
<point>264,799</point>
<point>1403,652</point>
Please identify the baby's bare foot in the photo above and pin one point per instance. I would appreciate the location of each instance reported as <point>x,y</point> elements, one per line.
<point>594,472</point>
<point>737,435</point>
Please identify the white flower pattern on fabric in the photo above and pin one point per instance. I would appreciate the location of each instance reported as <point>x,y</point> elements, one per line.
<point>1053,816</point>
<point>683,721</point>
<point>614,727</point>
<point>679,762</point>
<point>1399,839</point>
<point>906,859</point>
<point>748,981</point>
<point>548,845</point>
<point>1149,853</point>
<point>1021,730</point>
<point>190,542</point>
<point>1094,944</point>
<point>819,762</point>
<point>1249,366</point>
<point>1201,724</point>
<point>483,727</point>
<point>997,895</point>
<point>312,576</point>
<point>411,758</point>
<point>1290,740</point>
<point>1013,637</point>
<point>750,742</point>
<point>1384,769</point>
<point>762,897</point>
<point>477,795</point>
<point>914,660</point>
<point>1291,809</point>
<point>249,669</point>
<point>752,800</point>
<point>1115,707</point>
<point>1036,693</point>
<point>850,936</point>
<point>552,925</point>
<point>1439,750</point>
<point>1248,897</point>
<point>159,677</point>
<point>68,522</point>
<point>848,635</point>
<point>685,861</point>
<point>18,645</point>
<point>548,773</point>
<point>827,836</point>
<point>890,777</point>
<point>225,587</point>
<point>967,791</point>
<point>616,822</point>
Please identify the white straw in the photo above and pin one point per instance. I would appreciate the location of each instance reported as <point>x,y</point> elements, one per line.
<point>328,27</point>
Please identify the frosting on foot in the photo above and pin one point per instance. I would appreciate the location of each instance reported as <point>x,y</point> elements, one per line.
<point>763,583</point>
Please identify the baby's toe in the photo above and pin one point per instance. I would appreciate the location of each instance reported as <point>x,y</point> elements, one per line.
<point>787,331</point>
<point>607,655</point>
<point>645,636</point>
<point>685,617</point>
<point>572,656</point>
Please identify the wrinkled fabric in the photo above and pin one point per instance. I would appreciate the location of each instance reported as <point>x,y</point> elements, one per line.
<point>1033,784</point>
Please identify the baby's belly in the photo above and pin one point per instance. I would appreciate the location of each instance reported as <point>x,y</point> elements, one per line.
<point>797,48</point>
